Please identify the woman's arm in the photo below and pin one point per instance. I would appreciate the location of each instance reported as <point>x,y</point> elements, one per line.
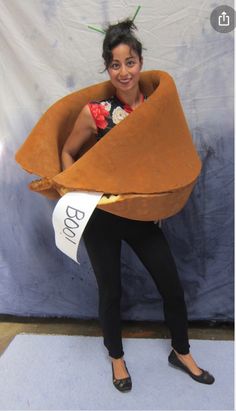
<point>83,130</point>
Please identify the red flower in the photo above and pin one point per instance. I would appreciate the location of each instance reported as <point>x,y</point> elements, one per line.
<point>99,113</point>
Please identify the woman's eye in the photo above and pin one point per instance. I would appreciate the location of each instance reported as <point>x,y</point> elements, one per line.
<point>115,66</point>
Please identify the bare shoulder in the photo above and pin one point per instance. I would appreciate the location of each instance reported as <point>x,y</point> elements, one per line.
<point>86,120</point>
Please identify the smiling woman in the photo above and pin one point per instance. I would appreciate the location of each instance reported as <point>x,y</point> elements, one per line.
<point>128,138</point>
<point>124,72</point>
<point>122,54</point>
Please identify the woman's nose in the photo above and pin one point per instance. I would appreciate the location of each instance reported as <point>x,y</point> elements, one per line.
<point>123,70</point>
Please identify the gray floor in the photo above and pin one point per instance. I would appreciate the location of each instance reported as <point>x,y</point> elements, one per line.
<point>55,372</point>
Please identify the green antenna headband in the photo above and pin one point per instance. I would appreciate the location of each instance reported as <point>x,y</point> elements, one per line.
<point>103,32</point>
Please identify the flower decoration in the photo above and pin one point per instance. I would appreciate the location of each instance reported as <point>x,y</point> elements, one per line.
<point>99,113</point>
<point>118,115</point>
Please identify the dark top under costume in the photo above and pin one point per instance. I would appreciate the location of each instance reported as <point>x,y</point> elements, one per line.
<point>107,113</point>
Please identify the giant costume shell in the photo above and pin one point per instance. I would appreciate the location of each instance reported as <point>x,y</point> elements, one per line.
<point>146,166</point>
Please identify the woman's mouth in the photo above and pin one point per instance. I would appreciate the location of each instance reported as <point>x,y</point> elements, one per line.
<point>125,81</point>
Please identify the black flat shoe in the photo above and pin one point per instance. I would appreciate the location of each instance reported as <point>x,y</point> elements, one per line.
<point>205,377</point>
<point>122,384</point>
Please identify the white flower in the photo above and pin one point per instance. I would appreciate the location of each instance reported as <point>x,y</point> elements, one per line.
<point>107,105</point>
<point>118,115</point>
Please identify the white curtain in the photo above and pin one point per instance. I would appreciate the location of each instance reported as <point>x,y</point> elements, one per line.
<point>47,52</point>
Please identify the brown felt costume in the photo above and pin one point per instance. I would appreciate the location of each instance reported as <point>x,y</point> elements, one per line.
<point>148,161</point>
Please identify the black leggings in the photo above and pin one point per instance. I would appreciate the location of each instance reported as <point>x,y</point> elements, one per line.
<point>102,237</point>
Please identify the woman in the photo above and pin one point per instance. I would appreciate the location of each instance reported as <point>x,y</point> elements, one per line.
<point>103,234</point>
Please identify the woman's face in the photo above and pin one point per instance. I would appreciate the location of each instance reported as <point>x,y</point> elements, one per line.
<point>124,69</point>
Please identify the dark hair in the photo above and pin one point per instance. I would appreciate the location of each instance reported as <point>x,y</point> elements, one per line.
<point>116,34</point>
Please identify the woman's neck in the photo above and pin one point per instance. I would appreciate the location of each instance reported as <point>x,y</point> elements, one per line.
<point>133,97</point>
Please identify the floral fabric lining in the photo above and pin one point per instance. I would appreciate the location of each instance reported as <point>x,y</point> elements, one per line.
<point>108,113</point>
